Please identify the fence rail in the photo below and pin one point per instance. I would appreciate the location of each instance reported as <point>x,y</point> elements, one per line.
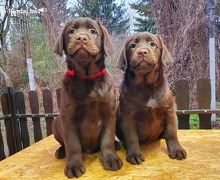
<point>38,115</point>
<point>15,116</point>
<point>198,111</point>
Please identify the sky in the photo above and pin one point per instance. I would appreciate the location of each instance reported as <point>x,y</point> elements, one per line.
<point>130,11</point>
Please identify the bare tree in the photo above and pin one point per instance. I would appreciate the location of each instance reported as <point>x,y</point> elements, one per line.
<point>54,16</point>
<point>183,25</point>
<point>4,28</point>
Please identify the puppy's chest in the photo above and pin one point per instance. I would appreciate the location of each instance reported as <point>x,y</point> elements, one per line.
<point>98,99</point>
<point>102,93</point>
<point>148,98</point>
<point>84,90</point>
<point>149,124</point>
<point>137,99</point>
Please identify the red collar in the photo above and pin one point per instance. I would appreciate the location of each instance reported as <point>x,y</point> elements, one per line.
<point>99,73</point>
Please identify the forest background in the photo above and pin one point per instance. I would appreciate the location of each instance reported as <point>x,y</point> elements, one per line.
<point>29,29</point>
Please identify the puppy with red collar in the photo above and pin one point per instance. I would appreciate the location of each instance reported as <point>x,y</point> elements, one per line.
<point>87,112</point>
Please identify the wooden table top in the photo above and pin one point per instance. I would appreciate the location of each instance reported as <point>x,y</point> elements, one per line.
<point>203,161</point>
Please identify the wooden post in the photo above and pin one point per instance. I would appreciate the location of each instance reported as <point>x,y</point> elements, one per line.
<point>34,105</point>
<point>8,124</point>
<point>30,74</point>
<point>12,124</point>
<point>48,108</point>
<point>58,92</point>
<point>212,62</point>
<point>14,119</point>
<point>2,151</point>
<point>20,104</point>
<point>182,101</point>
<point>204,101</point>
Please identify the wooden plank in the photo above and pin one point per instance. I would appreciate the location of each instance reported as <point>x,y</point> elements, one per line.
<point>8,125</point>
<point>2,152</point>
<point>38,161</point>
<point>48,108</point>
<point>182,101</point>
<point>14,120</point>
<point>34,105</point>
<point>204,101</point>
<point>58,92</point>
<point>20,104</point>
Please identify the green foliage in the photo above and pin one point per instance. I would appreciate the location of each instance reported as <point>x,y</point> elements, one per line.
<point>44,60</point>
<point>29,40</point>
<point>144,20</point>
<point>108,12</point>
<point>194,121</point>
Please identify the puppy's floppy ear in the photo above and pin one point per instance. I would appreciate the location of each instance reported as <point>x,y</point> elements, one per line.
<point>108,47</point>
<point>165,54</point>
<point>122,58</point>
<point>59,45</point>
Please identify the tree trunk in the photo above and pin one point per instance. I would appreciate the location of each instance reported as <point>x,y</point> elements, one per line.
<point>4,79</point>
<point>4,28</point>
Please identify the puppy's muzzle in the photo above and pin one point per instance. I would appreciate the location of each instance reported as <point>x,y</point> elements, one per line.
<point>143,56</point>
<point>82,41</point>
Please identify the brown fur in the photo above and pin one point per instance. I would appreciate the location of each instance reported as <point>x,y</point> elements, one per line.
<point>87,112</point>
<point>146,110</point>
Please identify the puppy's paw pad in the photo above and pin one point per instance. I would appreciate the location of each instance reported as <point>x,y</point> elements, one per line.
<point>112,162</point>
<point>178,154</point>
<point>135,158</point>
<point>74,171</point>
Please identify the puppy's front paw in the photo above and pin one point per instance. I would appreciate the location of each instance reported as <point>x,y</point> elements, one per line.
<point>112,162</point>
<point>178,153</point>
<point>135,158</point>
<point>74,169</point>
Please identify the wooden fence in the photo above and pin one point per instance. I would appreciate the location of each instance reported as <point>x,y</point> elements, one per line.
<point>15,116</point>
<point>204,103</point>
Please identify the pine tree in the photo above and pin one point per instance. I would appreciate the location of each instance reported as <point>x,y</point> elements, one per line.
<point>108,12</point>
<point>144,20</point>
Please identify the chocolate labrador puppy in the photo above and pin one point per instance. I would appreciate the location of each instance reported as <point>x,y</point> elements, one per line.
<point>87,112</point>
<point>146,110</point>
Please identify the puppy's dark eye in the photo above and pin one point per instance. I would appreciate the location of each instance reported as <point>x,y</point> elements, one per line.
<point>71,30</point>
<point>152,44</point>
<point>93,31</point>
<point>133,45</point>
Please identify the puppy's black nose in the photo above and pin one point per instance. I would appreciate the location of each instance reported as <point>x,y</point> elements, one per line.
<point>142,52</point>
<point>82,38</point>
